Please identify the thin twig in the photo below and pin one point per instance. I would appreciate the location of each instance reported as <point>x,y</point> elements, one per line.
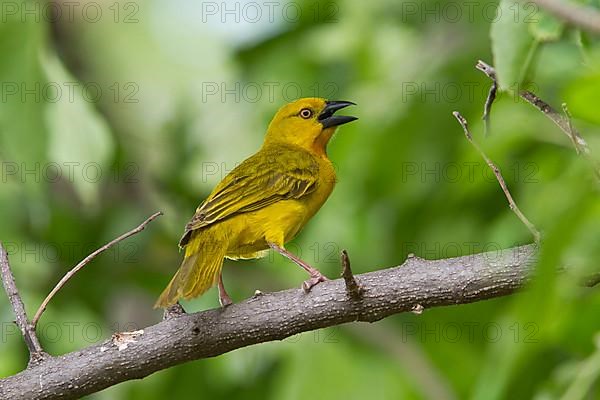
<point>36,353</point>
<point>86,261</point>
<point>491,73</point>
<point>584,17</point>
<point>572,132</point>
<point>565,125</point>
<point>562,121</point>
<point>352,287</point>
<point>591,280</point>
<point>498,174</point>
<point>576,139</point>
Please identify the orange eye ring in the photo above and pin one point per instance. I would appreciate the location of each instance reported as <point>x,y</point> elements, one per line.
<point>306,113</point>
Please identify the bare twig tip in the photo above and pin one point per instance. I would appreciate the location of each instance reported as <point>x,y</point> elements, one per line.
<point>566,126</point>
<point>463,122</point>
<point>86,261</point>
<point>352,287</point>
<point>499,178</point>
<point>486,69</point>
<point>490,72</point>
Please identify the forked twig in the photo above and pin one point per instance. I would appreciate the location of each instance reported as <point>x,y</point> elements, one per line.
<point>564,123</point>
<point>511,202</point>
<point>86,261</point>
<point>36,353</point>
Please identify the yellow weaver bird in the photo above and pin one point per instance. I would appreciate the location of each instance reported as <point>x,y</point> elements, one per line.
<point>264,202</point>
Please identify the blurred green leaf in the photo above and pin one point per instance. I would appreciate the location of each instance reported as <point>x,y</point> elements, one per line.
<point>588,373</point>
<point>512,42</point>
<point>545,27</point>
<point>582,98</point>
<point>23,137</point>
<point>79,135</point>
<point>205,85</point>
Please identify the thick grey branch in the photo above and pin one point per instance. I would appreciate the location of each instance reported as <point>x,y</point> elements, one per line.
<point>273,316</point>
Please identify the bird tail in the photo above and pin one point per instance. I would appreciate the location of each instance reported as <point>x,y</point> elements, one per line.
<point>199,270</point>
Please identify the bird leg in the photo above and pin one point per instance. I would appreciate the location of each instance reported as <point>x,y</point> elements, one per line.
<point>315,275</point>
<point>224,298</point>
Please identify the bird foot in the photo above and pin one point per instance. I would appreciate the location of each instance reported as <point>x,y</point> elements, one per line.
<point>315,279</point>
<point>225,300</point>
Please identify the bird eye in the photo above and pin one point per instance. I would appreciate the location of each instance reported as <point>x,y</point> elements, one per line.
<point>306,113</point>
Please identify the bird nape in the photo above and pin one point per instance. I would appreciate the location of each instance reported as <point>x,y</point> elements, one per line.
<point>264,202</point>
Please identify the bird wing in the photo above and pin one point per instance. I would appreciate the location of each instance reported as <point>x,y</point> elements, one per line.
<point>274,174</point>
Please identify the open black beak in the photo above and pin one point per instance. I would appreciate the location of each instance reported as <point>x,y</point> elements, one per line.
<point>327,119</point>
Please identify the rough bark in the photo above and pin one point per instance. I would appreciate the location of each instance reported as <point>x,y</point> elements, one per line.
<point>274,316</point>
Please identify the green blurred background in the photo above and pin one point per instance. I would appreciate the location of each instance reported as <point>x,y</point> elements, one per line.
<point>112,111</point>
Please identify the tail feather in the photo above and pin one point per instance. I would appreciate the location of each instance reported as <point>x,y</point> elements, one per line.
<point>199,270</point>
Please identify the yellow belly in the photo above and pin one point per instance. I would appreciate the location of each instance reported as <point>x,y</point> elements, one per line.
<point>249,233</point>
<point>277,223</point>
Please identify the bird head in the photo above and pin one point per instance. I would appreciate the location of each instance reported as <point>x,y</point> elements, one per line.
<point>308,123</point>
